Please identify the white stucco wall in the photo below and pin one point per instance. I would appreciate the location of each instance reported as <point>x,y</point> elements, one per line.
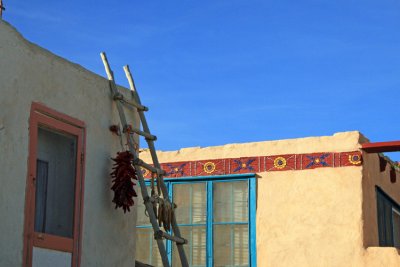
<point>29,73</point>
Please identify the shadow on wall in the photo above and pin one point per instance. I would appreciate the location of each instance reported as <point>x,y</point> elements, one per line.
<point>140,264</point>
<point>378,172</point>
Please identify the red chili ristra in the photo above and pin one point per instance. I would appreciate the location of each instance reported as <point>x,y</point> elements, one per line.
<point>122,178</point>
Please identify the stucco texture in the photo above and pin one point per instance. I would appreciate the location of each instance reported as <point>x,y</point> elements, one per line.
<point>310,217</point>
<point>29,73</point>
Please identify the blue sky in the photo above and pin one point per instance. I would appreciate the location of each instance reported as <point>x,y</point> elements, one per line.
<point>217,72</point>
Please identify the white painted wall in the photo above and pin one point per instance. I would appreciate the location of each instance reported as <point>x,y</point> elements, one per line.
<point>44,257</point>
<point>29,73</point>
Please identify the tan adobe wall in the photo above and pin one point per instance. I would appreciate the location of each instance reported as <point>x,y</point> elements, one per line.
<point>304,217</point>
<point>29,73</point>
<point>339,142</point>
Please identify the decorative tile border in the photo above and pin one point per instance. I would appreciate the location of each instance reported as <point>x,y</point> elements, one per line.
<point>260,164</point>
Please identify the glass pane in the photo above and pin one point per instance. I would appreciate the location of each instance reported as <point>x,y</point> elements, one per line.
<point>231,244</point>
<point>55,183</point>
<point>381,220</point>
<point>195,250</point>
<point>230,201</point>
<point>42,168</point>
<point>146,247</point>
<point>142,216</point>
<point>396,228</point>
<point>388,223</point>
<point>191,201</point>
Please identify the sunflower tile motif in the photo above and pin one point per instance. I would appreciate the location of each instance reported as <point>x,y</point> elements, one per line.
<point>280,162</point>
<point>351,158</point>
<point>145,172</point>
<point>210,167</point>
<point>355,159</point>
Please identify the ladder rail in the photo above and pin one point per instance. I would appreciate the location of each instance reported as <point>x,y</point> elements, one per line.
<point>154,157</point>
<point>149,208</point>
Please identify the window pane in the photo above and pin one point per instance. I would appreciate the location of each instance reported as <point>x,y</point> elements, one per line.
<point>195,250</point>
<point>191,203</point>
<point>55,183</point>
<point>381,219</point>
<point>230,201</point>
<point>388,223</point>
<point>42,168</point>
<point>231,245</point>
<point>146,247</point>
<point>396,228</point>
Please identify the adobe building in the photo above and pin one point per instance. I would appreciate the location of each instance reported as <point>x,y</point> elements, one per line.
<point>318,201</point>
<point>55,199</point>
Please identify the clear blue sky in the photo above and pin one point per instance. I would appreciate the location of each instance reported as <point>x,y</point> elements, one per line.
<point>217,72</point>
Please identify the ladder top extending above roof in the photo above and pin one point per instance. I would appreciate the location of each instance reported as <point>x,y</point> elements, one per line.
<point>166,214</point>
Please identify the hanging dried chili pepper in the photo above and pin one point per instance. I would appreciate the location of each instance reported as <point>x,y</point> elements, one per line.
<point>123,175</point>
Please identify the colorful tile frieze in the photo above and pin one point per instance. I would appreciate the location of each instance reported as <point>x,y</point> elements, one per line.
<point>350,159</point>
<point>209,167</point>
<point>260,164</point>
<point>280,163</point>
<point>177,169</point>
<point>313,161</point>
<point>245,165</point>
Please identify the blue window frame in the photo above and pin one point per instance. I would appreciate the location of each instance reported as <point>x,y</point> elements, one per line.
<point>217,214</point>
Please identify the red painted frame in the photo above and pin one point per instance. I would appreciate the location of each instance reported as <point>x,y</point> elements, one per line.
<point>43,116</point>
<point>380,147</point>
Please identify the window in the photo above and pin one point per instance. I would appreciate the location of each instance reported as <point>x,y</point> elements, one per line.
<point>54,189</point>
<point>388,220</point>
<point>55,183</point>
<point>215,214</point>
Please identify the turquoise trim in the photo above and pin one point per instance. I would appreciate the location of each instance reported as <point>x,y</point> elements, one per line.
<point>230,223</point>
<point>169,242</point>
<point>207,178</point>
<point>252,221</point>
<point>209,229</point>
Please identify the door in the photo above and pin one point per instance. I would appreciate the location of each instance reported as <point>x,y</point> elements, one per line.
<point>54,190</point>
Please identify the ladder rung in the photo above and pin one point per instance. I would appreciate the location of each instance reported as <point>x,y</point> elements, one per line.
<point>149,167</point>
<point>150,199</point>
<point>146,135</point>
<point>155,200</point>
<point>120,97</point>
<point>160,234</point>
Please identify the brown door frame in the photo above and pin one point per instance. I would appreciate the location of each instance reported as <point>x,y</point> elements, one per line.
<point>43,116</point>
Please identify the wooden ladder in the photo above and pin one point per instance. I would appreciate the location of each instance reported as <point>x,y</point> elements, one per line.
<point>149,201</point>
